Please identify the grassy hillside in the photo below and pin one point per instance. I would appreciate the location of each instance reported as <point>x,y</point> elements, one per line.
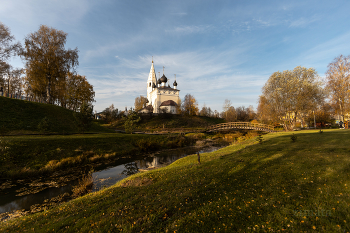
<point>170,122</point>
<point>19,116</point>
<point>279,185</point>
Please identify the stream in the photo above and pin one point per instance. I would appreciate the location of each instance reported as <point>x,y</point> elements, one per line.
<point>35,195</point>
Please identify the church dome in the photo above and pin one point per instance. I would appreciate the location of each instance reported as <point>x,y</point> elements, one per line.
<point>163,79</point>
<point>159,82</point>
<point>175,83</point>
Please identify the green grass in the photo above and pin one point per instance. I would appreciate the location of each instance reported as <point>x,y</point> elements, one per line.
<point>172,123</point>
<point>273,186</point>
<point>23,117</point>
<point>34,154</point>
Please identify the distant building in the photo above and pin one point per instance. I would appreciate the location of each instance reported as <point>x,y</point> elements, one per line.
<point>160,96</point>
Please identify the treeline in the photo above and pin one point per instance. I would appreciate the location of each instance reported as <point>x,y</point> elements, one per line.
<point>50,69</point>
<point>300,96</point>
<point>189,106</point>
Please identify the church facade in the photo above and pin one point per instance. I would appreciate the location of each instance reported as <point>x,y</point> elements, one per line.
<point>161,97</point>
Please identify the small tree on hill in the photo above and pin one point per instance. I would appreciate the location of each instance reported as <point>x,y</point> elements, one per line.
<point>44,125</point>
<point>110,114</point>
<point>190,105</point>
<point>84,117</point>
<point>140,102</point>
<point>131,121</point>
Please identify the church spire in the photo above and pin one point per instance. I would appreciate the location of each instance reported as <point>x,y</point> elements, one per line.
<point>151,81</point>
<point>152,73</point>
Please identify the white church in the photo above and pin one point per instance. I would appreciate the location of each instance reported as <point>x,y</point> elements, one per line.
<point>160,96</point>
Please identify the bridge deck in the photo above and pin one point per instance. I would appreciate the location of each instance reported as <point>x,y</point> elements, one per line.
<point>241,125</point>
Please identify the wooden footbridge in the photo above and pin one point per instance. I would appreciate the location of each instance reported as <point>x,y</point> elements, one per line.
<point>241,125</point>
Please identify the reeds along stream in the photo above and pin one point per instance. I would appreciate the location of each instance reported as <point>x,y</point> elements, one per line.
<point>30,195</point>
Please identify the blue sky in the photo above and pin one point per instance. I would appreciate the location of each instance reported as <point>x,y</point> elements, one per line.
<point>217,49</point>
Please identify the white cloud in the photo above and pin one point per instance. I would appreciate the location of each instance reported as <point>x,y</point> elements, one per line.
<point>190,29</point>
<point>179,13</point>
<point>303,22</point>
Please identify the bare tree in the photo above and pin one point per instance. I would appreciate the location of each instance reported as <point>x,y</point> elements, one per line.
<point>226,106</point>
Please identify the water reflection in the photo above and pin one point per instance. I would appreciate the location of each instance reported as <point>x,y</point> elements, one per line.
<point>10,202</point>
<point>105,176</point>
<point>130,169</point>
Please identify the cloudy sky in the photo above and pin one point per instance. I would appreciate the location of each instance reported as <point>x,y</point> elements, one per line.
<point>217,49</point>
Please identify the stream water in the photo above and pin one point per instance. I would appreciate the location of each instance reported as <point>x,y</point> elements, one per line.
<point>23,195</point>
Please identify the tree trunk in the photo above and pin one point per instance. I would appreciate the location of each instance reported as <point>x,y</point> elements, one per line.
<point>294,119</point>
<point>48,91</point>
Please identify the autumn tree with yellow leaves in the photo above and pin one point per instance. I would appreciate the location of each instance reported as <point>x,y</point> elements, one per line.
<point>338,84</point>
<point>189,105</point>
<point>290,94</point>
<point>78,91</point>
<point>140,102</point>
<point>48,63</point>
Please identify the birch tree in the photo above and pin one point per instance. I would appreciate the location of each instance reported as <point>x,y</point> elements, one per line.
<point>48,62</point>
<point>338,84</point>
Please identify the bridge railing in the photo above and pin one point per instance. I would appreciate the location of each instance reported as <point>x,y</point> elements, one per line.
<point>241,125</point>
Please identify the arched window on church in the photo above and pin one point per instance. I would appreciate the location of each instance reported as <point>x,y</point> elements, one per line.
<point>149,84</point>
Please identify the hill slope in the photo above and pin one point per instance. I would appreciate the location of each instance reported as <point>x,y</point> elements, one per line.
<point>278,185</point>
<point>19,116</point>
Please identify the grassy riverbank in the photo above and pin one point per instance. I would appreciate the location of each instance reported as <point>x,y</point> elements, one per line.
<point>170,123</point>
<point>23,156</point>
<point>274,186</point>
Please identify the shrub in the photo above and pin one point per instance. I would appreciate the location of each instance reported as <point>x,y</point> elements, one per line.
<point>251,134</point>
<point>260,139</point>
<point>130,123</point>
<point>44,125</point>
<point>84,186</point>
<point>147,145</point>
<point>84,118</point>
<point>4,150</point>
